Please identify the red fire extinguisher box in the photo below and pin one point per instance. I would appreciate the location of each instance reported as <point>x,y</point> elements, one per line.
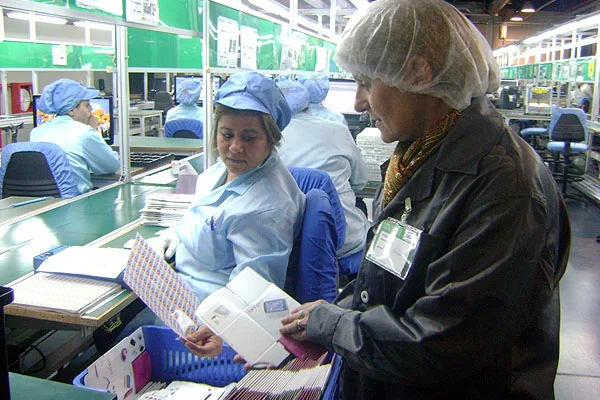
<point>21,97</point>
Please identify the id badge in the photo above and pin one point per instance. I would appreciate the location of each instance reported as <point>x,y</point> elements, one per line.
<point>394,246</point>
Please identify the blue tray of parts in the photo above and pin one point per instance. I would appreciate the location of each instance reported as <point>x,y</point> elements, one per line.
<point>171,361</point>
<point>150,160</point>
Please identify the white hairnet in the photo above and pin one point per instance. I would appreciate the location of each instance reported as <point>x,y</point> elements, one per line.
<point>395,40</point>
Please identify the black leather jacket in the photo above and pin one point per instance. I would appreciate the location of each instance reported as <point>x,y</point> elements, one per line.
<point>478,315</point>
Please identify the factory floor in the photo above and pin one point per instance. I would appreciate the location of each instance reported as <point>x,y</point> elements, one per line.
<point>578,375</point>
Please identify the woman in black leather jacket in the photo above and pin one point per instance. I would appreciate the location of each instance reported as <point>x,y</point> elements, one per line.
<point>467,305</point>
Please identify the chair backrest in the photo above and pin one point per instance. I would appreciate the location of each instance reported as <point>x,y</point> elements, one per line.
<point>185,128</point>
<point>313,266</point>
<point>310,178</point>
<point>568,125</point>
<point>36,169</point>
<point>163,101</point>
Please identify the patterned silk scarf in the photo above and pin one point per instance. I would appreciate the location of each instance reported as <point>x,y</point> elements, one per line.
<point>408,157</point>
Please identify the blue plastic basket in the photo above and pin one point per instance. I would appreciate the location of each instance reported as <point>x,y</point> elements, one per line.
<point>171,361</point>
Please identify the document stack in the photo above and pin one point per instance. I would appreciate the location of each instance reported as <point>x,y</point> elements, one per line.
<point>165,209</point>
<point>374,151</point>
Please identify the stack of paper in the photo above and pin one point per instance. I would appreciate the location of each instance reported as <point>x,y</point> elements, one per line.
<point>374,151</point>
<point>165,209</point>
<point>62,293</point>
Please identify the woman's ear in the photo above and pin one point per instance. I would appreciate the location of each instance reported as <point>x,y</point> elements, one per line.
<point>419,71</point>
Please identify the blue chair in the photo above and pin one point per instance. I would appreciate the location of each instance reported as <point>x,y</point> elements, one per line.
<point>185,128</point>
<point>310,178</point>
<point>313,266</point>
<point>36,169</point>
<point>568,136</point>
<point>531,136</point>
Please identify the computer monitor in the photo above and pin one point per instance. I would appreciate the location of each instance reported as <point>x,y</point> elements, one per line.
<point>341,96</point>
<point>216,85</point>
<point>102,108</point>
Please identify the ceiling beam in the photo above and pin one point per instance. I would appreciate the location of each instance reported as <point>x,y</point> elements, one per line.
<point>496,6</point>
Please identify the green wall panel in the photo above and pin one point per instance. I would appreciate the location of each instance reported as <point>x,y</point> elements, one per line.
<point>151,49</point>
<point>39,55</point>
<point>181,14</point>
<point>60,3</point>
<point>269,41</point>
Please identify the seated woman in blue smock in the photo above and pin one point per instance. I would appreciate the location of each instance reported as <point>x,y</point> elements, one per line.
<point>74,129</point>
<point>248,208</point>
<point>188,93</point>
<point>317,84</point>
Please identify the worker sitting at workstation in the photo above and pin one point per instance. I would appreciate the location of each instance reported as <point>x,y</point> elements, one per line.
<point>188,93</point>
<point>74,130</point>
<point>581,97</point>
<point>312,142</point>
<point>247,209</point>
<point>317,85</point>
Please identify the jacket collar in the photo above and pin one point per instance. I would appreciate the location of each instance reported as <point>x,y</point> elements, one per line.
<point>475,132</point>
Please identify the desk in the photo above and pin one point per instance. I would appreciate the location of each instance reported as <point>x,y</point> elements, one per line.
<point>178,146</point>
<point>512,114</point>
<point>9,213</point>
<point>23,387</point>
<point>77,223</point>
<point>145,120</point>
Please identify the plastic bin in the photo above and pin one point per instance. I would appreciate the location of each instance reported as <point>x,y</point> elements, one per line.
<point>171,361</point>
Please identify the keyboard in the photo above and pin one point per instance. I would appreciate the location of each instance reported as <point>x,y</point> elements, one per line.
<point>150,160</point>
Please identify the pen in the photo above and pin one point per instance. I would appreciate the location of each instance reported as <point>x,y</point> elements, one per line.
<point>24,203</point>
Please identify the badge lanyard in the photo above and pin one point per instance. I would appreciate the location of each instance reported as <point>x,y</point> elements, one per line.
<point>395,243</point>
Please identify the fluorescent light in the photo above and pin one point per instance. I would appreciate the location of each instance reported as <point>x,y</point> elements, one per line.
<point>528,7</point>
<point>184,36</point>
<point>516,17</point>
<point>93,25</point>
<point>36,17</point>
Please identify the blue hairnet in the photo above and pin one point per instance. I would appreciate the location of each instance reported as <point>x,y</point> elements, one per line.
<point>63,95</point>
<point>188,91</point>
<point>317,85</point>
<point>296,95</point>
<point>255,92</point>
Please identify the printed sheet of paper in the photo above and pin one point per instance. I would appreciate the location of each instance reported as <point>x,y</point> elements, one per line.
<point>155,282</point>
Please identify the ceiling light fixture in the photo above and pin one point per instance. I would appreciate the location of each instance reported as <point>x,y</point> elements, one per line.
<point>516,17</point>
<point>36,17</point>
<point>93,25</point>
<point>528,7</point>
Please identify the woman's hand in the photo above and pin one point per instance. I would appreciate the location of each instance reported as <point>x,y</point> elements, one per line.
<point>295,323</point>
<point>203,342</point>
<point>93,122</point>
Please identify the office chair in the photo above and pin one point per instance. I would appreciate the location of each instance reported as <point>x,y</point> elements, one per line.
<point>36,169</point>
<point>568,136</point>
<point>185,128</point>
<point>163,101</point>
<point>308,178</point>
<point>313,266</point>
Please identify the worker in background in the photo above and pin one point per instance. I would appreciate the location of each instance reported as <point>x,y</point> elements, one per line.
<point>74,130</point>
<point>582,97</point>
<point>188,93</point>
<point>458,296</point>
<point>312,142</point>
<point>317,85</point>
